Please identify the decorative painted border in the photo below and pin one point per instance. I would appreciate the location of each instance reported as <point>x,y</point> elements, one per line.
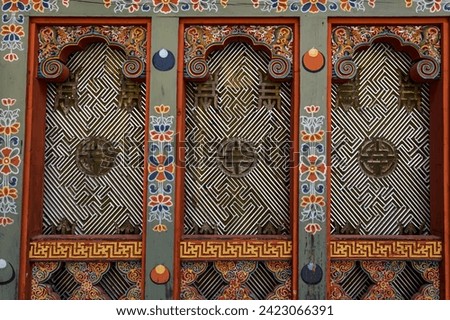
<point>235,249</point>
<point>161,168</point>
<point>386,249</point>
<point>347,39</point>
<point>382,274</point>
<point>164,6</point>
<point>13,18</point>
<point>57,42</point>
<point>312,6</point>
<point>54,39</point>
<point>175,6</point>
<point>312,170</point>
<point>432,6</point>
<point>75,250</point>
<point>423,43</point>
<point>56,250</point>
<point>9,161</point>
<point>199,40</point>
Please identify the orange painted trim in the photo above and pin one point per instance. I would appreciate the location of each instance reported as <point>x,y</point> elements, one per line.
<point>179,164</point>
<point>146,154</point>
<point>24,239</point>
<point>446,160</point>
<point>329,167</point>
<point>179,174</point>
<point>295,140</point>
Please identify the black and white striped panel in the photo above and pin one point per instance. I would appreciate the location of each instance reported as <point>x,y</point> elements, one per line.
<point>236,205</point>
<point>95,203</point>
<point>403,196</point>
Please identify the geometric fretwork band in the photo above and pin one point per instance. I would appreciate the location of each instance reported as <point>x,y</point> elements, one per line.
<point>339,249</point>
<point>57,250</point>
<point>235,249</point>
<point>386,249</point>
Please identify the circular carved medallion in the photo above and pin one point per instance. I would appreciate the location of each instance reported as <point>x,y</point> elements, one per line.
<point>377,157</point>
<point>95,156</point>
<point>236,157</point>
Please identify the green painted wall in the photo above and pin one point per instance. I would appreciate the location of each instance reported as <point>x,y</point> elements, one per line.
<point>163,90</point>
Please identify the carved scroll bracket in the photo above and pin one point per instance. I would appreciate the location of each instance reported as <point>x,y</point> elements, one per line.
<point>199,41</point>
<point>422,43</point>
<point>56,43</point>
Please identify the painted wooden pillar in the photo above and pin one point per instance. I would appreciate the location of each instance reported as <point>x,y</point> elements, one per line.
<point>313,225</point>
<point>13,73</point>
<point>159,242</point>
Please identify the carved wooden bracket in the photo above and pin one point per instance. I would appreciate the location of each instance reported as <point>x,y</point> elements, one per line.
<point>199,41</point>
<point>56,43</point>
<point>422,43</point>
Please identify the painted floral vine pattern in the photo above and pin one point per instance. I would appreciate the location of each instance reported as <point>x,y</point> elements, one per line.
<point>161,168</point>
<point>312,170</point>
<point>9,160</point>
<point>312,6</point>
<point>429,5</point>
<point>165,6</point>
<point>12,31</point>
<point>426,38</point>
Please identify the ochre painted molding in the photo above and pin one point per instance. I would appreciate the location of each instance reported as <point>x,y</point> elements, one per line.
<point>57,250</point>
<point>235,249</point>
<point>386,249</point>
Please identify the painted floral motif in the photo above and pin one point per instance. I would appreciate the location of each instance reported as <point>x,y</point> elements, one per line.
<point>313,170</point>
<point>282,270</point>
<point>199,38</point>
<point>161,168</point>
<point>382,273</point>
<point>346,38</point>
<point>40,273</point>
<point>189,275</point>
<point>312,6</point>
<point>339,270</point>
<point>13,18</point>
<point>88,274</point>
<point>429,271</point>
<point>236,274</point>
<point>164,6</point>
<point>429,5</point>
<point>53,39</point>
<point>9,160</point>
<point>133,271</point>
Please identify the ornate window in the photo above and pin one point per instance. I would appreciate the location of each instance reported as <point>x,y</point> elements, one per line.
<point>384,233</point>
<point>238,179</point>
<point>85,208</point>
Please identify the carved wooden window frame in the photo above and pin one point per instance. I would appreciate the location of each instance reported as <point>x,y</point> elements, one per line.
<point>35,246</point>
<point>390,248</point>
<point>288,245</point>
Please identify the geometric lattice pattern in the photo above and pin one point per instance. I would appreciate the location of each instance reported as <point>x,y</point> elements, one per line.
<point>236,280</point>
<point>237,204</point>
<point>384,280</point>
<point>380,205</point>
<point>97,204</point>
<point>86,280</point>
